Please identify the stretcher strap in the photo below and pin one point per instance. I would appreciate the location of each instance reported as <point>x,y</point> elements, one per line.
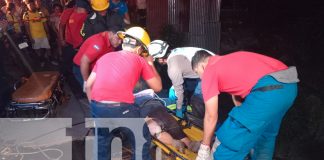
<point>169,151</point>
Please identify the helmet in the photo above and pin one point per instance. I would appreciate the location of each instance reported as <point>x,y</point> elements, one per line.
<point>99,5</point>
<point>137,33</point>
<point>158,48</point>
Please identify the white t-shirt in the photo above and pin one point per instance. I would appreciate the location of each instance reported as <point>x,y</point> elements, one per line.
<point>179,68</point>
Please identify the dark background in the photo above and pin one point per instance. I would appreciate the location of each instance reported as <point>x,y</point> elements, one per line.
<point>293,32</point>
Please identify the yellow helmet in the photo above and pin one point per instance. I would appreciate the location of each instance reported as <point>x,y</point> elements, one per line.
<point>137,33</point>
<point>99,5</point>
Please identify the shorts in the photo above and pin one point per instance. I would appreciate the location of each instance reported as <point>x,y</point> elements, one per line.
<point>41,43</point>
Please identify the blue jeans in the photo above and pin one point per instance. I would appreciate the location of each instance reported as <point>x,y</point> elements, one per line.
<point>124,110</point>
<point>77,74</point>
<point>198,90</point>
<point>143,111</point>
<point>189,86</point>
<point>255,124</point>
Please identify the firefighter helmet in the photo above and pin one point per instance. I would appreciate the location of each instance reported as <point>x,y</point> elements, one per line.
<point>158,48</point>
<point>137,33</point>
<point>99,5</point>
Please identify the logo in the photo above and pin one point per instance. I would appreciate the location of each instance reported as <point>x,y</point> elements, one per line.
<point>96,47</point>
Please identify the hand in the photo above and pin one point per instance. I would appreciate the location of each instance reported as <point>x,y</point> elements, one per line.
<point>203,153</point>
<point>180,146</point>
<point>126,21</point>
<point>194,146</point>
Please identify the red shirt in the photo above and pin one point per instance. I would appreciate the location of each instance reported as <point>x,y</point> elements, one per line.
<point>94,47</point>
<point>236,73</point>
<point>73,27</point>
<point>117,74</point>
<point>65,16</point>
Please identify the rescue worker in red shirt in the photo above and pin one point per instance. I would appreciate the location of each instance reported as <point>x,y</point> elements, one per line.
<point>90,51</point>
<point>263,89</point>
<point>110,85</point>
<point>71,22</point>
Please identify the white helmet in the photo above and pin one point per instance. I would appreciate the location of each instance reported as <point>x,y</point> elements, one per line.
<point>158,48</point>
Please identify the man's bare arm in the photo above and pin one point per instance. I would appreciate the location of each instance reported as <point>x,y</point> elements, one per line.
<point>210,120</point>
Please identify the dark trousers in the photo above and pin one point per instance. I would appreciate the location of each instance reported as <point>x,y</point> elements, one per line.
<point>67,59</point>
<point>66,68</point>
<point>190,85</point>
<point>3,50</point>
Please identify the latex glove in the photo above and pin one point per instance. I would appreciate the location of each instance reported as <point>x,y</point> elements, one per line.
<point>179,113</point>
<point>172,94</point>
<point>180,146</point>
<point>203,153</point>
<point>85,86</point>
<point>215,145</point>
<point>194,146</point>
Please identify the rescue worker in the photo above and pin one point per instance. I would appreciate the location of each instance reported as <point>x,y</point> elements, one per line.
<point>90,51</point>
<point>110,85</point>
<point>263,89</point>
<point>184,79</point>
<point>101,19</point>
<point>71,22</point>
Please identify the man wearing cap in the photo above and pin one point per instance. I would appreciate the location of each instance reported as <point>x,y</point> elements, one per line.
<point>101,19</point>
<point>185,82</point>
<point>110,85</point>
<point>90,51</point>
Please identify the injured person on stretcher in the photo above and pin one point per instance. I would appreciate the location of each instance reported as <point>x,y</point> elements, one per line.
<point>165,128</point>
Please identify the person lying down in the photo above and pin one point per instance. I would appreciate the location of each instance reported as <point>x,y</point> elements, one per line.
<point>167,130</point>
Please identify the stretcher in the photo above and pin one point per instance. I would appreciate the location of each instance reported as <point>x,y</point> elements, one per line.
<point>37,96</point>
<point>189,117</point>
<point>192,131</point>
